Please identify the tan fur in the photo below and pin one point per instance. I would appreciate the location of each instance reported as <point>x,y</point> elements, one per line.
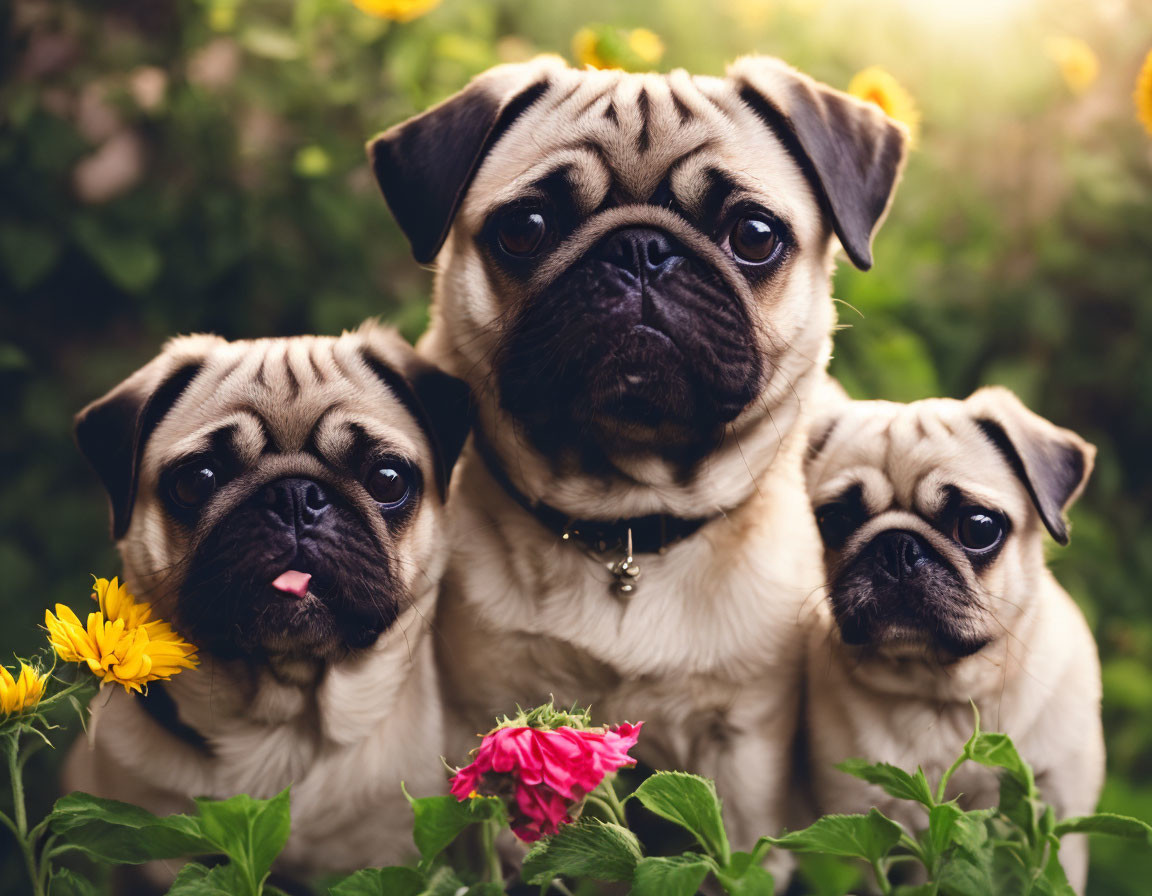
<point>707,651</point>
<point>343,734</point>
<point>1037,680</point>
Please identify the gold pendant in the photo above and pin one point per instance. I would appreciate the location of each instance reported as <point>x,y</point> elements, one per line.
<point>626,570</point>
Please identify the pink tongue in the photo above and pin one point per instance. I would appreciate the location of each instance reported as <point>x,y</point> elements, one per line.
<point>293,582</point>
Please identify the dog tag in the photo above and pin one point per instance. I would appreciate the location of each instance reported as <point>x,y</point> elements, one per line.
<point>626,570</point>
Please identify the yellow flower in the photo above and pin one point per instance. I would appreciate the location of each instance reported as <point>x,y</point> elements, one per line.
<point>1143,93</point>
<point>585,48</point>
<point>396,10</point>
<point>1077,61</point>
<point>121,642</point>
<point>602,46</point>
<point>23,692</point>
<point>646,44</point>
<point>875,85</point>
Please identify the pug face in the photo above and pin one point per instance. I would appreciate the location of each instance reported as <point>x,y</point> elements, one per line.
<point>633,264</point>
<point>932,516</point>
<point>279,497</point>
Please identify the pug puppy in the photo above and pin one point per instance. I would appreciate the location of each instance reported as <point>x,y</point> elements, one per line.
<point>933,517</point>
<point>632,273</point>
<point>281,502</point>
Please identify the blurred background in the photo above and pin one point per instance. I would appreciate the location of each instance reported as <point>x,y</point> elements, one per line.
<point>176,166</point>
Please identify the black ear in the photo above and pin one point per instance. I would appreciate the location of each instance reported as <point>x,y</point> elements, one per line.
<point>1053,463</point>
<point>447,402</point>
<point>850,150</point>
<point>439,402</point>
<point>425,165</point>
<point>112,431</point>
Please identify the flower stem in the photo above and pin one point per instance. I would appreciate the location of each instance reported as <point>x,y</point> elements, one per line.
<point>881,877</point>
<point>488,832</point>
<point>16,773</point>
<point>614,801</point>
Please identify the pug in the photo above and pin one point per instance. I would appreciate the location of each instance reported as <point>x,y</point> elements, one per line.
<point>632,273</point>
<point>281,502</point>
<point>933,517</point>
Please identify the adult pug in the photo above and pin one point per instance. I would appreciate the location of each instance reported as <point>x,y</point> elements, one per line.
<point>633,275</point>
<point>933,517</point>
<point>281,501</point>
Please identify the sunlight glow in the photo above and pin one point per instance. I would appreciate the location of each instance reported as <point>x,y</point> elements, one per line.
<point>968,12</point>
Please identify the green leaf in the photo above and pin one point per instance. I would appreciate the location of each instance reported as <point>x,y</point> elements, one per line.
<point>1053,882</point>
<point>65,882</point>
<point>941,824</point>
<point>195,879</point>
<point>996,750</point>
<point>870,837</point>
<point>691,802</point>
<point>671,875</point>
<point>381,882</point>
<point>1106,823</point>
<point>440,819</point>
<point>27,253</point>
<point>251,832</point>
<point>895,781</point>
<point>828,875</point>
<point>588,848</point>
<point>120,833</point>
<point>131,262</point>
<point>443,882</point>
<point>964,874</point>
<point>486,888</point>
<point>745,877</point>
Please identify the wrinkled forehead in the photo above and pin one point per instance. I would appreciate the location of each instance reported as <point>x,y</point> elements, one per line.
<point>628,134</point>
<point>308,394</point>
<point>914,457</point>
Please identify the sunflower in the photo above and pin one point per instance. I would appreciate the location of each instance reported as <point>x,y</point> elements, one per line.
<point>646,45</point>
<point>22,692</point>
<point>120,643</point>
<point>1143,93</point>
<point>586,49</point>
<point>602,46</point>
<point>1077,61</point>
<point>396,10</point>
<point>875,85</point>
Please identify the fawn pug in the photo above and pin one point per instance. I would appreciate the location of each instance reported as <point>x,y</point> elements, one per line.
<point>282,502</point>
<point>933,517</point>
<point>633,274</point>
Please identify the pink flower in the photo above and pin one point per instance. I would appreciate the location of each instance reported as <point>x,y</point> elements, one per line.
<point>547,771</point>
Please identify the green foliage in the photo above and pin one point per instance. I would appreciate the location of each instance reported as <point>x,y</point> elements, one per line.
<point>250,833</point>
<point>588,848</point>
<point>691,802</point>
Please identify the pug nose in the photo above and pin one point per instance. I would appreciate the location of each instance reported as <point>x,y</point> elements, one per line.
<point>640,250</point>
<point>298,503</point>
<point>897,554</point>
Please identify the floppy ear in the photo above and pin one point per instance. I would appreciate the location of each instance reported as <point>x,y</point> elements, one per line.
<point>425,165</point>
<point>112,431</point>
<point>850,150</point>
<point>1053,463</point>
<point>439,402</point>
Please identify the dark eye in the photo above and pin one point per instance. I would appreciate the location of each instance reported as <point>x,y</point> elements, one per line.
<point>193,484</point>
<point>979,529</point>
<point>388,484</point>
<point>521,233</point>
<point>754,240</point>
<point>836,523</point>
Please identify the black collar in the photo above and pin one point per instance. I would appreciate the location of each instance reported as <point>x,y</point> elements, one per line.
<point>651,534</point>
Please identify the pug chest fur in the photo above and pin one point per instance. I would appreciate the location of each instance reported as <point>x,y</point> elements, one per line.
<point>282,503</point>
